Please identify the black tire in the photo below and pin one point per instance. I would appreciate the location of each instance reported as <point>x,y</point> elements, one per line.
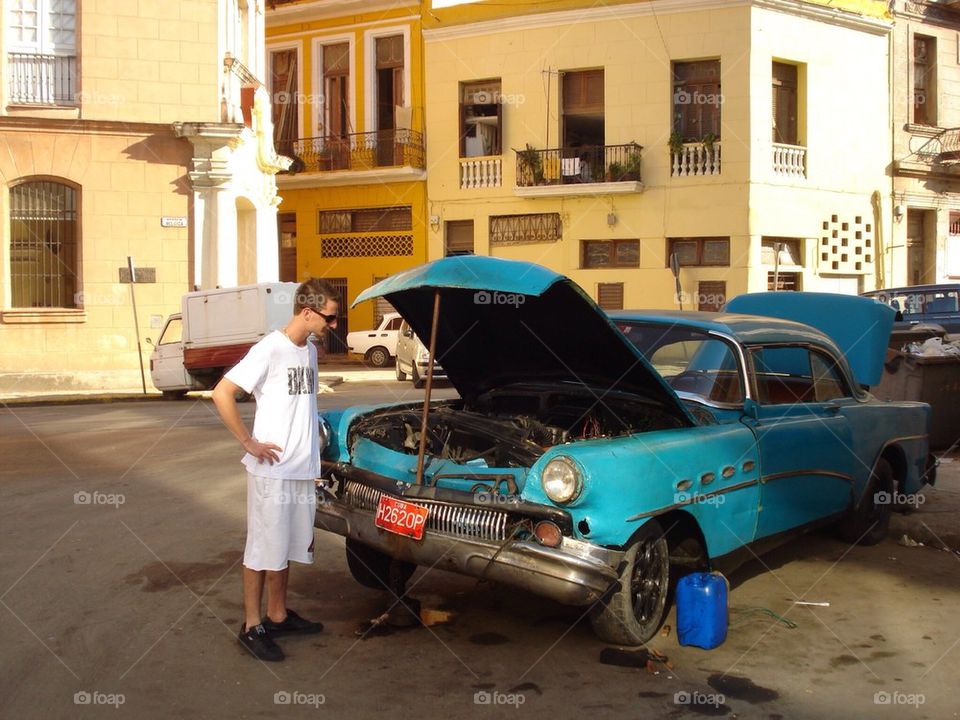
<point>418,382</point>
<point>401,375</point>
<point>867,522</point>
<point>371,568</point>
<point>634,613</point>
<point>378,356</point>
<point>174,394</point>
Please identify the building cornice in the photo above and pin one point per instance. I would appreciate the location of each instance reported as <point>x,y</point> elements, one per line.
<point>330,9</point>
<point>81,127</point>
<point>928,12</point>
<point>820,13</point>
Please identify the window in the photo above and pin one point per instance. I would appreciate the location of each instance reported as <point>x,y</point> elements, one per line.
<point>287,237</point>
<point>711,295</point>
<point>394,324</point>
<point>44,247</point>
<point>705,251</point>
<point>785,104</point>
<point>582,123</point>
<point>610,296</point>
<point>284,94</point>
<point>459,238</point>
<point>172,333</point>
<point>610,254</point>
<point>696,99</point>
<point>519,229</point>
<point>389,98</point>
<point>366,220</point>
<point>481,118</point>
<point>336,89</point>
<point>42,51</point>
<point>782,251</point>
<point>786,375</point>
<point>924,80</point>
<point>784,281</point>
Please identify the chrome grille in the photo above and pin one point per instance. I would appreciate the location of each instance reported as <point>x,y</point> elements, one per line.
<point>454,520</point>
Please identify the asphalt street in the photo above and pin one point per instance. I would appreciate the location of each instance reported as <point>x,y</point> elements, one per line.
<point>121,534</point>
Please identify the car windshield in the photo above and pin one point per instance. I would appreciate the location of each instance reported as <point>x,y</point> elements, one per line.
<point>697,365</point>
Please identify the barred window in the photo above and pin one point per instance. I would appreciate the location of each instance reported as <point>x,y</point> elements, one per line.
<point>43,245</point>
<point>699,250</point>
<point>384,219</point>
<point>610,253</point>
<point>519,229</point>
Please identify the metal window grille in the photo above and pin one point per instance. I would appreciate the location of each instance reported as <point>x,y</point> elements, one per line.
<point>43,245</point>
<point>532,228</point>
<point>367,246</point>
<point>42,79</point>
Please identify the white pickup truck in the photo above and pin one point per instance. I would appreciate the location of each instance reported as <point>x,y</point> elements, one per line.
<point>378,346</point>
<point>213,331</point>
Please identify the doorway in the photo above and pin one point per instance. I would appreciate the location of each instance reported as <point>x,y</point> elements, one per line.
<point>337,337</point>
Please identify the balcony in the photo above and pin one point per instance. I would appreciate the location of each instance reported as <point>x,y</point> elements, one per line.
<point>790,160</point>
<point>695,159</point>
<point>939,156</point>
<point>481,172</point>
<point>588,170</point>
<point>42,79</point>
<point>356,158</point>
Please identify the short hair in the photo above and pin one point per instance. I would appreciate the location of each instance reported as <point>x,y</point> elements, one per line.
<point>314,293</point>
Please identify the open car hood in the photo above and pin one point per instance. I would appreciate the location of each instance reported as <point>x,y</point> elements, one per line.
<point>859,326</point>
<point>503,322</point>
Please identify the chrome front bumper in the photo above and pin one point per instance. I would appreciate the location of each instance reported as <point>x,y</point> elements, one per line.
<point>576,573</point>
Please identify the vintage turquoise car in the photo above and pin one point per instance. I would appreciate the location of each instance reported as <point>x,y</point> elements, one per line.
<point>593,459</point>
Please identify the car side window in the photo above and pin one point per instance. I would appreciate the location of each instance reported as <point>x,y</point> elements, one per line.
<point>786,375</point>
<point>172,333</point>
<point>828,382</point>
<point>395,324</point>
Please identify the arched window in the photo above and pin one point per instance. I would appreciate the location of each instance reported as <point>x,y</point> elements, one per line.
<point>43,245</point>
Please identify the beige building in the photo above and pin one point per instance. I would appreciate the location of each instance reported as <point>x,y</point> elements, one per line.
<point>602,140</point>
<point>925,237</point>
<point>137,130</point>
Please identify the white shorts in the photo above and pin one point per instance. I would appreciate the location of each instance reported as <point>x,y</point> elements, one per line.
<point>280,515</point>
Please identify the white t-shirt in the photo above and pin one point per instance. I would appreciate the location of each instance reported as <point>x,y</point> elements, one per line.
<point>282,377</point>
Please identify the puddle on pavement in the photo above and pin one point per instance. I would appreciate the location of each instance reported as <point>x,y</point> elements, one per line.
<point>741,688</point>
<point>159,576</point>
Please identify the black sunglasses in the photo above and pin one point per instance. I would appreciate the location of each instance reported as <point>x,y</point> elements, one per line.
<point>330,319</point>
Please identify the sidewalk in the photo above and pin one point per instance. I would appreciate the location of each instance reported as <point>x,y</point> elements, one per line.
<point>22,389</point>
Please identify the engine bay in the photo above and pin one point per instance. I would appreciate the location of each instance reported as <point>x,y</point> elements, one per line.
<point>511,427</point>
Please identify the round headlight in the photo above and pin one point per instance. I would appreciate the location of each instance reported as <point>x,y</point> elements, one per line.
<point>325,433</point>
<point>561,480</point>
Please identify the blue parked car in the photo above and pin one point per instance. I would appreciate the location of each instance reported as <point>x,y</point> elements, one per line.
<point>595,459</point>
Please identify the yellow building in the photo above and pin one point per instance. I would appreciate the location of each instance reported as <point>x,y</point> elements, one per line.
<point>748,140</point>
<point>346,79</point>
<point>127,130</point>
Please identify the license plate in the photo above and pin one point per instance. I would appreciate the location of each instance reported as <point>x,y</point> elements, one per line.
<point>401,517</point>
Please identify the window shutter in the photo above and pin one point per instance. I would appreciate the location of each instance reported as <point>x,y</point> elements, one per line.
<point>459,237</point>
<point>711,295</point>
<point>610,296</point>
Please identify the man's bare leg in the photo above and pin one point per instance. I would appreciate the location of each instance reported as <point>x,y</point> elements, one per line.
<point>277,594</point>
<point>252,595</point>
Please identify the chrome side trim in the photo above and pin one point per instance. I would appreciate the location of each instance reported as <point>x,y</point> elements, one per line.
<point>811,471</point>
<point>695,499</point>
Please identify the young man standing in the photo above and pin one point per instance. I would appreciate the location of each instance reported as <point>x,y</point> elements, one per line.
<point>282,461</point>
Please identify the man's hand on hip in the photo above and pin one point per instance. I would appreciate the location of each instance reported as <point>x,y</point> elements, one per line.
<point>263,451</point>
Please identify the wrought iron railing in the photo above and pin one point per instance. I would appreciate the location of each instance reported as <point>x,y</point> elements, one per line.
<point>570,165</point>
<point>42,79</point>
<point>356,151</point>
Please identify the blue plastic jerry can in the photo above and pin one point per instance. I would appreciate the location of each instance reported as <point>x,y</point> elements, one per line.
<point>702,610</point>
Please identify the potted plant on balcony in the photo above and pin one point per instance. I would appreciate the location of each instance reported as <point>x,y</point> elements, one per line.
<point>675,142</point>
<point>531,164</point>
<point>708,142</point>
<point>616,171</point>
<point>631,168</point>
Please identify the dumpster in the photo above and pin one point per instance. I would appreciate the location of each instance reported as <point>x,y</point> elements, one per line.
<point>933,379</point>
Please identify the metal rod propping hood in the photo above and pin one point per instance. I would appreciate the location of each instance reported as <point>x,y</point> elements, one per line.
<point>429,387</point>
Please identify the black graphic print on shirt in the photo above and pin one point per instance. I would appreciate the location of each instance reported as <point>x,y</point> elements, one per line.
<point>300,381</point>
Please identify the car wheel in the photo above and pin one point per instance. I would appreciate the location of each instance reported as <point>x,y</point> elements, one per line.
<point>378,356</point>
<point>867,523</point>
<point>174,394</point>
<point>371,568</point>
<point>401,375</point>
<point>633,614</point>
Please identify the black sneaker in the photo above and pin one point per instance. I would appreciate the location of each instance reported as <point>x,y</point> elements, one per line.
<point>258,641</point>
<point>292,624</point>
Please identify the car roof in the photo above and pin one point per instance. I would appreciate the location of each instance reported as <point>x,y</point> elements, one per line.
<point>746,329</point>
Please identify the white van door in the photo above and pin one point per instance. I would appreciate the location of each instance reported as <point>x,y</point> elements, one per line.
<point>166,362</point>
